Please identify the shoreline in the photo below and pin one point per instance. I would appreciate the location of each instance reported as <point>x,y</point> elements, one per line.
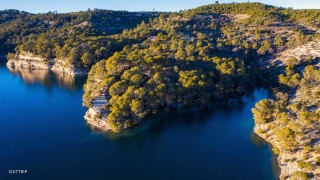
<point>37,63</point>
<point>94,117</point>
<point>275,157</point>
<point>98,118</point>
<point>257,139</point>
<point>282,174</point>
<point>289,162</point>
<point>286,161</point>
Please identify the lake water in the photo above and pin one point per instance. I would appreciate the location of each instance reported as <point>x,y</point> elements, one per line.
<point>43,131</point>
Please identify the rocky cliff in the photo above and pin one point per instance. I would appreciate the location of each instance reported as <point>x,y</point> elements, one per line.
<point>30,61</point>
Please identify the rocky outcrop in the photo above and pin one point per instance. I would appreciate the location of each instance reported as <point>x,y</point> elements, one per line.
<point>97,119</point>
<point>95,115</point>
<point>29,61</point>
<point>26,63</point>
<point>289,161</point>
<point>287,168</point>
<point>311,48</point>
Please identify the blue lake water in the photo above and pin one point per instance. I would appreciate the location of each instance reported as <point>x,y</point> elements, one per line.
<point>43,131</point>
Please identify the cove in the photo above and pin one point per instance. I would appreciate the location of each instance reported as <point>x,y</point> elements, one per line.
<point>43,131</point>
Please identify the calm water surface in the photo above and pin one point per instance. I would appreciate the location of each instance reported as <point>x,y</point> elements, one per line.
<point>43,130</point>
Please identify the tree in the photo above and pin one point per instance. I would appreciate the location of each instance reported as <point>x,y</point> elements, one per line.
<point>263,112</point>
<point>286,138</point>
<point>299,175</point>
<point>136,106</point>
<point>118,88</point>
<point>278,41</point>
<point>73,56</point>
<point>180,54</point>
<point>87,59</point>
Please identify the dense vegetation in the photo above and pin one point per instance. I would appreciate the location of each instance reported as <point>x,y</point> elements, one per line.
<point>89,23</point>
<point>143,63</point>
<point>11,14</point>
<point>261,14</point>
<point>84,38</point>
<point>147,77</point>
<point>292,117</point>
<point>198,57</point>
<point>80,47</point>
<point>151,61</point>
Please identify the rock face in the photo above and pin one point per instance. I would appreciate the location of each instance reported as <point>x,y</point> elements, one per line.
<point>29,61</point>
<point>96,117</point>
<point>28,64</point>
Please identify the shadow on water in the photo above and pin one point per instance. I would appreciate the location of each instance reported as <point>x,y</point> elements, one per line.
<point>183,117</point>
<point>158,123</point>
<point>3,61</point>
<point>48,79</point>
<point>222,134</point>
<point>259,143</point>
<point>201,143</point>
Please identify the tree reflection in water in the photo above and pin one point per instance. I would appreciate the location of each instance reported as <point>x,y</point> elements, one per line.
<point>49,79</point>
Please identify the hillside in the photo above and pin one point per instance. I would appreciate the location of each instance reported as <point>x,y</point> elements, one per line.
<point>210,49</point>
<point>207,55</point>
<point>290,120</point>
<point>140,64</point>
<point>89,23</point>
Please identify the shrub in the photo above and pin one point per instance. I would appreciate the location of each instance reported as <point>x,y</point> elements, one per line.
<point>318,161</point>
<point>305,165</point>
<point>299,176</point>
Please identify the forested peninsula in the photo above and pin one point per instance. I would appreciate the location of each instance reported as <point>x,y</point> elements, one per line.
<point>140,64</point>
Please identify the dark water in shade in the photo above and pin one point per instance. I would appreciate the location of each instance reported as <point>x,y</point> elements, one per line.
<point>42,130</point>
